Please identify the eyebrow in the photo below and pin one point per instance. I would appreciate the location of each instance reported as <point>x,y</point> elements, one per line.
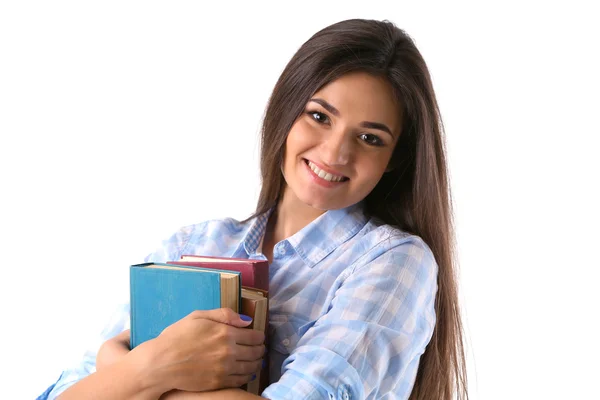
<point>364,124</point>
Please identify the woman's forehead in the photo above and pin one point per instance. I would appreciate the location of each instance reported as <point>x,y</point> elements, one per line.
<point>362,97</point>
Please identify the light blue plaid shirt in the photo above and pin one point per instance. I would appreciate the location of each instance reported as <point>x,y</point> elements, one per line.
<point>351,304</point>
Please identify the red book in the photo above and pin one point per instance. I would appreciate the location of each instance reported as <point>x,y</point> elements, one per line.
<point>255,273</point>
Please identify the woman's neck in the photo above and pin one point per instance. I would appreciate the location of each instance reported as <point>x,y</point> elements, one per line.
<point>292,215</point>
<point>289,217</point>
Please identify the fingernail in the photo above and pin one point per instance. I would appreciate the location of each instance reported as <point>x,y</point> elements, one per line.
<point>245,318</point>
<point>253,377</point>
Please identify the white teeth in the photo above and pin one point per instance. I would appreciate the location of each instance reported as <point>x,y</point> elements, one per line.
<point>324,175</point>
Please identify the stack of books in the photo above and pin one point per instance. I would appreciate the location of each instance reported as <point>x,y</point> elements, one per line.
<point>163,293</point>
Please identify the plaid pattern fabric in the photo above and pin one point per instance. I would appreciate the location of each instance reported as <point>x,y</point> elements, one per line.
<point>351,304</point>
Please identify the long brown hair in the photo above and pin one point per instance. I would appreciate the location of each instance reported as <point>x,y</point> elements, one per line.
<point>414,195</point>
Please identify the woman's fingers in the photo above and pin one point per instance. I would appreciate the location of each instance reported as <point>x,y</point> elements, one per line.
<point>238,380</point>
<point>248,337</point>
<point>206,351</point>
<point>246,367</point>
<point>221,315</point>
<point>249,353</point>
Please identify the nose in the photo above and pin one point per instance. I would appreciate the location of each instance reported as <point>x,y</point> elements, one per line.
<point>336,149</point>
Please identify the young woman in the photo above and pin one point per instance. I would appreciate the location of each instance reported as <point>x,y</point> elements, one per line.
<point>354,217</point>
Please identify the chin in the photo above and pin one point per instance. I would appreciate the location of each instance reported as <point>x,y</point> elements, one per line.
<point>316,200</point>
<point>324,205</point>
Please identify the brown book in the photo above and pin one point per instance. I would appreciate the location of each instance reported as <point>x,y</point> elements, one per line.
<point>255,304</point>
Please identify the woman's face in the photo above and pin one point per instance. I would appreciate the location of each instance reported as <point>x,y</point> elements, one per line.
<point>340,146</point>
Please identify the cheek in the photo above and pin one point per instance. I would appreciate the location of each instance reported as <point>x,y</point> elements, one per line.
<point>299,139</point>
<point>374,167</point>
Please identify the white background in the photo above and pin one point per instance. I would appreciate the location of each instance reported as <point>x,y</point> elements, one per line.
<point>122,121</point>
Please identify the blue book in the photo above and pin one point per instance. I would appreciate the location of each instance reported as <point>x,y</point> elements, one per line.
<point>162,294</point>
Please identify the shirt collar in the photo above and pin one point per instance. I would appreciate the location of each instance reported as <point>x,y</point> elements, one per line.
<point>255,233</point>
<point>316,240</point>
<point>327,232</point>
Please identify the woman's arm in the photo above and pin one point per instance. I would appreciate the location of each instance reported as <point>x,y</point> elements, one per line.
<point>223,394</point>
<point>113,350</point>
<point>206,350</point>
<point>368,343</point>
<point>131,377</point>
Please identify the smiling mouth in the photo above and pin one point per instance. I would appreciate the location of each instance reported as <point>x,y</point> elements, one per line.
<point>325,175</point>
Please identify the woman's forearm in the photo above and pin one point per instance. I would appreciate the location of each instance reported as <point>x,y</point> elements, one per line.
<point>112,351</point>
<point>126,379</point>
<point>223,394</point>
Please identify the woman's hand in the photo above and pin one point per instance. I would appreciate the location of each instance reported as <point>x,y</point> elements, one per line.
<point>207,350</point>
<point>113,350</point>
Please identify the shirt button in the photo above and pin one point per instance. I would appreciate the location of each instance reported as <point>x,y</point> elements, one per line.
<point>281,249</point>
<point>285,342</point>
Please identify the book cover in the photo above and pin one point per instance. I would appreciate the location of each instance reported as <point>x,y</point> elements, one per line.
<point>162,294</point>
<point>255,273</point>
<point>255,304</point>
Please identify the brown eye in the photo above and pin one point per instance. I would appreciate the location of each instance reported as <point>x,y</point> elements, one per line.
<point>318,116</point>
<point>371,139</point>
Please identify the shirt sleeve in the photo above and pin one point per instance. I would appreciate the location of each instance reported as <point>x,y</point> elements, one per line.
<point>369,342</point>
<point>172,248</point>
